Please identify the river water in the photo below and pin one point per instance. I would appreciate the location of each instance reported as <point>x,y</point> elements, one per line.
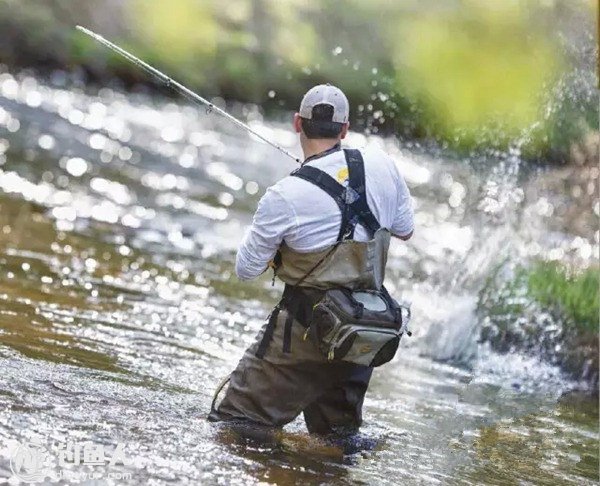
<point>120,312</point>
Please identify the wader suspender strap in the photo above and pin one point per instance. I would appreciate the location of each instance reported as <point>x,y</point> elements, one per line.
<point>328,184</point>
<point>287,330</point>
<point>270,329</point>
<point>357,181</point>
<point>351,200</point>
<point>268,335</point>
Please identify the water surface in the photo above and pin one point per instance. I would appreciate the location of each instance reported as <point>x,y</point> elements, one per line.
<point>120,312</point>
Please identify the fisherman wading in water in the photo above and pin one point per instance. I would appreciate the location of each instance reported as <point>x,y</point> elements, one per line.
<point>326,231</point>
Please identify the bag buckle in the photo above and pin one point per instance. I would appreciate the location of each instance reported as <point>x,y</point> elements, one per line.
<point>405,319</point>
<point>305,336</point>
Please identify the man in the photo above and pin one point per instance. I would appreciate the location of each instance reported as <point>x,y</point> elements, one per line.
<point>317,244</point>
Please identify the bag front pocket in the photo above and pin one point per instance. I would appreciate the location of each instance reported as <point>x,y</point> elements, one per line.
<point>364,345</point>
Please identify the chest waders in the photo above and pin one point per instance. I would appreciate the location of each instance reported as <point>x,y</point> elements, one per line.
<point>333,324</point>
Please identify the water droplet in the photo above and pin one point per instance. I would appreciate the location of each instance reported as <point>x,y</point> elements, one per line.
<point>46,142</point>
<point>251,187</point>
<point>33,99</point>
<point>125,153</point>
<point>97,141</point>
<point>76,166</point>
<point>226,199</point>
<point>10,88</point>
<point>13,125</point>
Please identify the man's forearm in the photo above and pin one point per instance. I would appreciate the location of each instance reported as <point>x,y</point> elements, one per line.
<point>247,268</point>
<point>271,222</point>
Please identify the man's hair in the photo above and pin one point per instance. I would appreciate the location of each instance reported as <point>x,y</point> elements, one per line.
<point>320,125</point>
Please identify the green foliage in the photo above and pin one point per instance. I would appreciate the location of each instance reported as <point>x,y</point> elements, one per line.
<point>478,69</point>
<point>471,74</point>
<point>577,295</point>
<point>181,35</point>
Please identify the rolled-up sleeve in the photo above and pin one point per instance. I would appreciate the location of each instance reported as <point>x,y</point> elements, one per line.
<point>273,220</point>
<point>404,219</point>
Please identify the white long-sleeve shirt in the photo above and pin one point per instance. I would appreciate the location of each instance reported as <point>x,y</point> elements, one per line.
<point>307,219</point>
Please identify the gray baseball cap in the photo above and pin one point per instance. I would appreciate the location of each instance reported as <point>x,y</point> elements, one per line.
<point>325,94</point>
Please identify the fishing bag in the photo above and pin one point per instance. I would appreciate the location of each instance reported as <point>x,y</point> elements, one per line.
<point>361,326</point>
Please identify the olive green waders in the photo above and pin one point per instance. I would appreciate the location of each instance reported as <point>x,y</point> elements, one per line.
<point>275,389</point>
<point>284,374</point>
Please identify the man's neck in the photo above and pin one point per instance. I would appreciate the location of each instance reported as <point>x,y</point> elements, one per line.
<point>317,145</point>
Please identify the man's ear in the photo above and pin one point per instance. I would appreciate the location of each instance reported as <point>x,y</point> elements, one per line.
<point>297,123</point>
<point>344,131</point>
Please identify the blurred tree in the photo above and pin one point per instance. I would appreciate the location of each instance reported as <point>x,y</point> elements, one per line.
<point>478,70</point>
<point>181,34</point>
<point>468,73</point>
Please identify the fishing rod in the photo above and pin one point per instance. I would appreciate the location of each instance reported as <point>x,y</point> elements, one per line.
<point>181,89</point>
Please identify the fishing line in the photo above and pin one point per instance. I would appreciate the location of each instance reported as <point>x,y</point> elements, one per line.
<point>181,89</point>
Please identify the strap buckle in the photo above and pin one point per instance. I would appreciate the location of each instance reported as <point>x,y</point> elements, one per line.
<point>351,195</point>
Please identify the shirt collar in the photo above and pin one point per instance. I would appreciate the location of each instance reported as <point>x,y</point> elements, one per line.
<point>335,148</point>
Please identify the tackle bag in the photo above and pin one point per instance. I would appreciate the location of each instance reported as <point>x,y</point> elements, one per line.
<point>360,326</point>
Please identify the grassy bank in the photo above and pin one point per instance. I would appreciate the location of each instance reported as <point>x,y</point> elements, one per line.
<point>576,296</point>
<point>476,75</point>
<point>549,311</point>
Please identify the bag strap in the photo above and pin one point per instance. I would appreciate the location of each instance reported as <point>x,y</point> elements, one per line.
<point>316,265</point>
